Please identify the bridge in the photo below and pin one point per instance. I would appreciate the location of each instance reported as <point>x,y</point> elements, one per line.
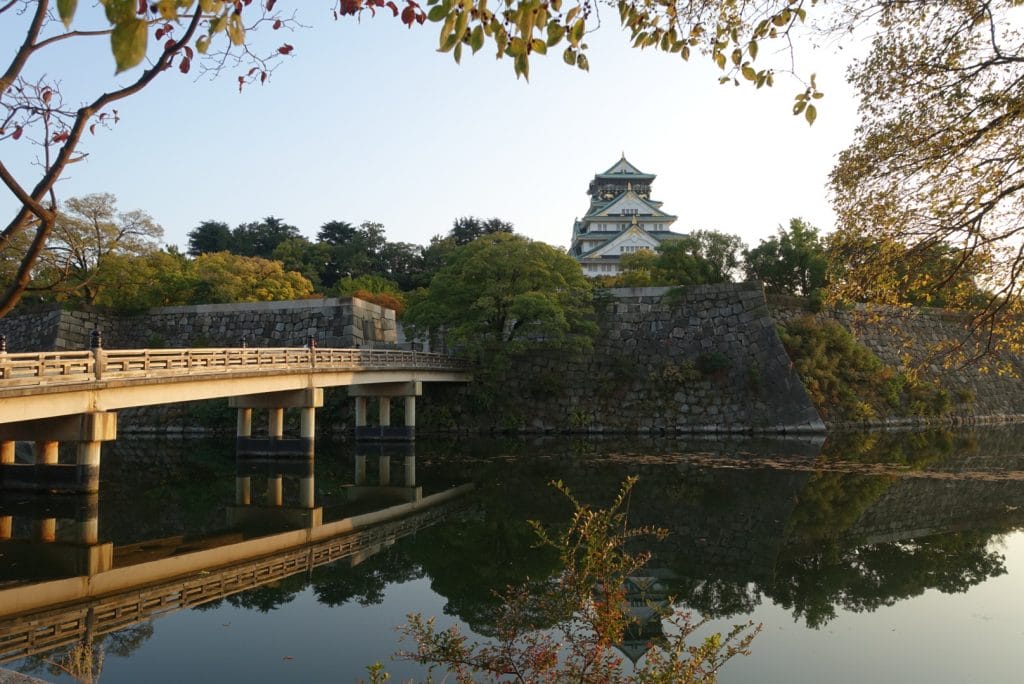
<point>53,397</point>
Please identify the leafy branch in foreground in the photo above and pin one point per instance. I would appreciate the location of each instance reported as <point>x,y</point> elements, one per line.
<point>586,605</point>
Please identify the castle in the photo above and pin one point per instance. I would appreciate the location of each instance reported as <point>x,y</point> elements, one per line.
<point>621,219</point>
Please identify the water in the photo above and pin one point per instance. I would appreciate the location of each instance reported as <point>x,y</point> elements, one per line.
<point>892,557</point>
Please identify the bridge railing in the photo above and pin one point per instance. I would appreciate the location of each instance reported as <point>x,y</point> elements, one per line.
<point>86,366</point>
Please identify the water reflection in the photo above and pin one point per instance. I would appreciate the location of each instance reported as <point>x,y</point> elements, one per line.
<point>854,524</point>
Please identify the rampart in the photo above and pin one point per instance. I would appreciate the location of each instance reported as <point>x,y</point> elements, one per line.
<point>697,360</point>
<point>908,339</point>
<point>342,322</point>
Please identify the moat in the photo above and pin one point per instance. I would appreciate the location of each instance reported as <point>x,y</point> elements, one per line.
<point>880,557</point>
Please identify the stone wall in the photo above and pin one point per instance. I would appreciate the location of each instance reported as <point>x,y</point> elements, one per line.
<point>705,359</point>
<point>907,339</point>
<point>344,322</point>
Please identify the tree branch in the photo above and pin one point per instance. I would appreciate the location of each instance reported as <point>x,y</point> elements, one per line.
<point>22,55</point>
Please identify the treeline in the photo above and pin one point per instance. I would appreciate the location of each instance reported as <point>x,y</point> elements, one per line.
<point>100,256</point>
<point>798,260</point>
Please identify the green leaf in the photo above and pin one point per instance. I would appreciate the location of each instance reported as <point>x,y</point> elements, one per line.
<point>522,65</point>
<point>119,11</point>
<point>128,43</point>
<point>66,10</point>
<point>555,33</point>
<point>446,31</point>
<point>457,53</point>
<point>517,48</point>
<point>811,113</point>
<point>752,49</point>
<point>576,32</point>
<point>476,38</point>
<point>569,56</point>
<point>203,44</point>
<point>539,46</point>
<point>437,13</point>
<point>583,63</point>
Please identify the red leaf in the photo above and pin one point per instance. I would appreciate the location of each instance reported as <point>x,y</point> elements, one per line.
<point>47,95</point>
<point>142,6</point>
<point>270,5</point>
<point>285,49</point>
<point>169,45</point>
<point>60,137</point>
<point>160,33</point>
<point>184,66</point>
<point>17,133</point>
<point>408,15</point>
<point>188,52</point>
<point>277,24</point>
<point>263,77</point>
<point>92,129</point>
<point>394,8</point>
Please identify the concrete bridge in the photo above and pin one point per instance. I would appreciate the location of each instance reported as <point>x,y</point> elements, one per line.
<point>53,397</point>
<point>107,589</point>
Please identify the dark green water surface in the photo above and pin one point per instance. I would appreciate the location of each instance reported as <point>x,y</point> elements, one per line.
<point>880,557</point>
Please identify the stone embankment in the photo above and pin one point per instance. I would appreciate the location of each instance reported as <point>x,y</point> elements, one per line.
<point>701,360</point>
<point>342,322</point>
<point>990,391</point>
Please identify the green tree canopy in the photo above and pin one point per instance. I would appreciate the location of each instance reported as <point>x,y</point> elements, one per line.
<point>87,231</point>
<point>224,277</point>
<point>791,262</point>
<point>210,236</point>
<point>699,258</point>
<point>505,292</point>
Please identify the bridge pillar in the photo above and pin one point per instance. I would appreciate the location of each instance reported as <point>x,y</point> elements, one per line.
<point>307,492</point>
<point>243,427</point>
<point>410,471</point>
<point>385,392</point>
<point>45,452</point>
<point>275,423</point>
<point>46,474</point>
<point>360,471</point>
<point>275,490</point>
<point>384,467</point>
<point>243,490</point>
<point>275,445</point>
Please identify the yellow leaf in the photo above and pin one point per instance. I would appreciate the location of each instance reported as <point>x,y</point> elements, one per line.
<point>128,43</point>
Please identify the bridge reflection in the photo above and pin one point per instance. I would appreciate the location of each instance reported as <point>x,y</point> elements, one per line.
<point>60,584</point>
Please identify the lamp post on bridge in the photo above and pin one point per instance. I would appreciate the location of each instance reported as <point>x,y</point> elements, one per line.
<point>98,357</point>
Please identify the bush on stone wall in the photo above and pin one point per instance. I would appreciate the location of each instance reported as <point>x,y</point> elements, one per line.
<point>848,382</point>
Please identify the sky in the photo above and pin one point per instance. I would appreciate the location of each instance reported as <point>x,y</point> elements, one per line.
<point>367,121</point>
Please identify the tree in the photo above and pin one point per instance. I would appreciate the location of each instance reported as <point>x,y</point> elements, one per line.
<point>504,292</point>
<point>308,258</point>
<point>32,107</point>
<point>792,262</point>
<point>137,283</point>
<point>468,228</point>
<point>87,231</point>
<point>209,236</point>
<point>700,258</point>
<point>936,161</point>
<point>224,277</point>
<point>261,238</point>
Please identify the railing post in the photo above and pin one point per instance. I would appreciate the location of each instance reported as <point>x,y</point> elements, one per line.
<point>311,345</point>
<point>3,357</point>
<point>99,360</point>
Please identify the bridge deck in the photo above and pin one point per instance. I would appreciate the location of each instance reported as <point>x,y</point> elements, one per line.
<point>40,385</point>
